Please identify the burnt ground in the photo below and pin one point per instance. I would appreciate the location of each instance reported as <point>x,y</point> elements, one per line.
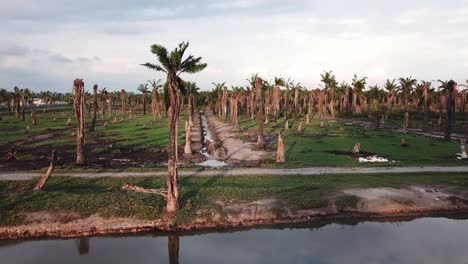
<point>101,154</point>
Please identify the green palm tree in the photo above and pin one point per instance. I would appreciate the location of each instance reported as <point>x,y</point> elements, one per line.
<point>407,86</point>
<point>359,84</point>
<point>391,87</point>
<point>25,95</point>
<point>173,65</point>
<point>329,80</point>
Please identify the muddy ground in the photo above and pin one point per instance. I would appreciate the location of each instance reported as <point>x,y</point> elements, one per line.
<point>110,155</point>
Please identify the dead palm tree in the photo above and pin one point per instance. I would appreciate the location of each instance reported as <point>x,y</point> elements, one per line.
<point>173,65</point>
<point>143,88</point>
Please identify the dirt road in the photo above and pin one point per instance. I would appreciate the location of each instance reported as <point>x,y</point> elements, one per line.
<point>311,171</point>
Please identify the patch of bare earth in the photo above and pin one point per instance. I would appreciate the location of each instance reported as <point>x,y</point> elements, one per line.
<point>235,150</point>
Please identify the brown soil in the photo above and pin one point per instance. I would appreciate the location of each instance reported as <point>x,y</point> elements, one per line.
<point>349,203</point>
<point>234,150</point>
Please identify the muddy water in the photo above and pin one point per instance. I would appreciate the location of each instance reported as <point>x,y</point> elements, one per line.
<point>426,240</point>
<point>208,139</point>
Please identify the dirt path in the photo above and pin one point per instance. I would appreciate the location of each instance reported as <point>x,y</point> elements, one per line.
<point>236,150</point>
<point>19,176</point>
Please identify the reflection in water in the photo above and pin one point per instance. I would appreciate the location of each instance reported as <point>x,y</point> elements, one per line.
<point>173,247</point>
<point>427,240</point>
<point>83,245</point>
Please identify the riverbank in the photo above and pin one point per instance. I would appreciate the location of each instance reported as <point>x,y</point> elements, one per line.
<point>73,207</point>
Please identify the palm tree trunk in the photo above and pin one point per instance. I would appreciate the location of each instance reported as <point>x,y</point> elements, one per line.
<point>260,138</point>
<point>79,113</point>
<point>172,190</point>
<point>95,104</point>
<point>451,86</point>
<point>23,114</point>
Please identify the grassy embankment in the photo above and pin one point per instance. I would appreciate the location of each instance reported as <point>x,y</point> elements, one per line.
<point>103,196</point>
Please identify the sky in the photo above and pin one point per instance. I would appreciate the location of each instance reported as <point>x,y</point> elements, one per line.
<point>46,44</point>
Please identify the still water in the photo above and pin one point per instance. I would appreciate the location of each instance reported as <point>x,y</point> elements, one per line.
<point>425,240</point>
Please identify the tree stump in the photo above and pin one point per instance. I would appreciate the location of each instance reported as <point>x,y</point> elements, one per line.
<point>464,155</point>
<point>307,119</point>
<point>280,152</point>
<point>188,138</point>
<point>403,142</point>
<point>68,123</point>
<point>34,118</point>
<point>321,124</point>
<point>300,129</point>
<point>27,130</point>
<point>286,125</point>
<point>356,148</point>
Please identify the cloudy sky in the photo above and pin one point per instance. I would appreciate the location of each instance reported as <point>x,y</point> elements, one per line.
<point>45,44</point>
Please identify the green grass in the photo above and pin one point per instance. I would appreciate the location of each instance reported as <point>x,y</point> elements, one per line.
<point>103,196</point>
<point>316,145</point>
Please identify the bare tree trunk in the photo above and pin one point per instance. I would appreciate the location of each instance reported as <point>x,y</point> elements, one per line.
<point>123,102</point>
<point>23,114</point>
<point>34,118</point>
<point>188,139</point>
<point>260,138</point>
<point>95,104</point>
<point>451,89</point>
<point>144,103</point>
<point>79,96</point>
<point>280,152</point>
<point>405,121</point>
<point>224,103</point>
<point>45,178</point>
<point>172,190</point>
<point>190,110</point>
<point>426,105</point>
<point>109,106</point>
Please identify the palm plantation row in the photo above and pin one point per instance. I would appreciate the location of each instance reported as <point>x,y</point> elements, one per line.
<point>265,101</point>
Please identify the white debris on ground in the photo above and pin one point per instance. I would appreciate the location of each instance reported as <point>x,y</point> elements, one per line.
<point>461,157</point>
<point>213,163</point>
<point>373,158</point>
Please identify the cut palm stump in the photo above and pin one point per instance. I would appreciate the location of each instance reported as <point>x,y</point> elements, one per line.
<point>280,153</point>
<point>356,148</point>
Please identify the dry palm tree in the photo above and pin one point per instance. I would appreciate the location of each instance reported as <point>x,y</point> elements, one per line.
<point>79,107</point>
<point>143,88</point>
<point>173,65</point>
<point>156,85</point>
<point>192,91</point>
<point>95,108</point>
<point>451,90</point>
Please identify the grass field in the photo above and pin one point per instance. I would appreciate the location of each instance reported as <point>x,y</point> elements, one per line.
<point>326,146</point>
<point>143,139</point>
<point>103,196</point>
